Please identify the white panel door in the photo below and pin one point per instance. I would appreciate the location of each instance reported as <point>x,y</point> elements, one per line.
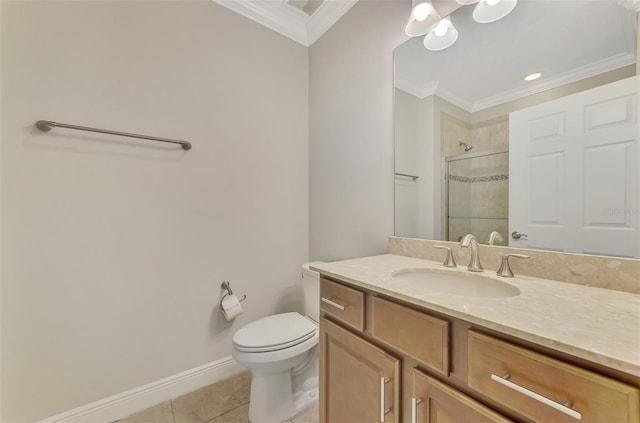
<point>574,172</point>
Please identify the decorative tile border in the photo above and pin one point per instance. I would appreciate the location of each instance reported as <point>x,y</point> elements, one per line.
<point>476,179</point>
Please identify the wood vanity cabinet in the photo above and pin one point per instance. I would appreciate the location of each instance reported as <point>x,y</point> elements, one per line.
<point>359,382</point>
<point>384,361</point>
<point>545,389</point>
<point>417,335</point>
<point>436,402</point>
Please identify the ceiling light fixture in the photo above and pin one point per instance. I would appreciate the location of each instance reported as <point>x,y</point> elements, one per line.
<point>442,36</point>
<point>532,76</point>
<point>422,19</point>
<point>425,19</point>
<point>488,11</point>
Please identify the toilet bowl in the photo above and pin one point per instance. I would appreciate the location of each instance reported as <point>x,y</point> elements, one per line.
<point>282,352</point>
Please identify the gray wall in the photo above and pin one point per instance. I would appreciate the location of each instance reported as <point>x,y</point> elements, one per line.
<point>113,250</point>
<point>351,131</point>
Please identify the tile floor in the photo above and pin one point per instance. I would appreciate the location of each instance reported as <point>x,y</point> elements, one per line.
<point>224,402</point>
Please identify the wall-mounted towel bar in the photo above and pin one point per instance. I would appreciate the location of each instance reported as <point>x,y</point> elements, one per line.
<point>46,125</point>
<point>414,177</point>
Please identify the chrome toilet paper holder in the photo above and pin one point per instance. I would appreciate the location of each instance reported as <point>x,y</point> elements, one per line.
<point>227,286</point>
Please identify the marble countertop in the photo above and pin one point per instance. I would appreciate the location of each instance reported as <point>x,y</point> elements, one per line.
<point>599,325</point>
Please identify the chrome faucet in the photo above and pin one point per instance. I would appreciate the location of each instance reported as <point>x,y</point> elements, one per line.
<point>505,269</point>
<point>495,237</point>
<point>470,241</point>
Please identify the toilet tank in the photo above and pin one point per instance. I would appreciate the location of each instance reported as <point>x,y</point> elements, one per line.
<point>311,285</point>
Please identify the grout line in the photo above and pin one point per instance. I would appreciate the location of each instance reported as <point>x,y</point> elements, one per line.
<point>173,413</point>
<point>227,412</point>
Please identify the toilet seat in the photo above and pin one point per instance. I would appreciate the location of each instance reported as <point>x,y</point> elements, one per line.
<point>274,333</point>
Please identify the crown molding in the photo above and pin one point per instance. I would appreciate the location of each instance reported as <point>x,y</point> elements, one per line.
<point>327,14</point>
<point>454,99</point>
<point>432,88</point>
<point>272,15</point>
<point>289,21</point>
<point>593,69</point>
<point>420,91</point>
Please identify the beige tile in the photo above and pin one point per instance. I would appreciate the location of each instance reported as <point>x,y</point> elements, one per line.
<point>452,132</point>
<point>237,415</point>
<point>160,413</point>
<point>500,134</point>
<point>212,401</point>
<point>481,138</point>
<point>309,416</point>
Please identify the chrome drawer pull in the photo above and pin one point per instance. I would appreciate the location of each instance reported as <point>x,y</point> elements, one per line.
<point>333,303</point>
<point>414,409</point>
<point>383,411</point>
<point>504,380</point>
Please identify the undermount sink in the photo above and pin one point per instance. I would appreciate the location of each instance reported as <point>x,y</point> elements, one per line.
<point>458,283</point>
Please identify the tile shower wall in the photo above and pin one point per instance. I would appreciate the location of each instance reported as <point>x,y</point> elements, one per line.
<point>493,133</point>
<point>478,196</point>
<point>452,132</point>
<point>478,187</point>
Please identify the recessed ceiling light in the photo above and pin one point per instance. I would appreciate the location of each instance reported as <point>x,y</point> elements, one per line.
<point>532,76</point>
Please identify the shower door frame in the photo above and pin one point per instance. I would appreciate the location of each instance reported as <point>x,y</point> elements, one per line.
<point>445,171</point>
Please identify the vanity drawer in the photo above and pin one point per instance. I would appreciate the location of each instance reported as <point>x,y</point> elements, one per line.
<point>420,336</point>
<point>544,389</point>
<point>343,303</point>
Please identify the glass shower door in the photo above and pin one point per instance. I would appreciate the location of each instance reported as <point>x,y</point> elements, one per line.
<point>478,198</point>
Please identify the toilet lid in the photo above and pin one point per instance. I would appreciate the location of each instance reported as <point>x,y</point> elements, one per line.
<point>274,332</point>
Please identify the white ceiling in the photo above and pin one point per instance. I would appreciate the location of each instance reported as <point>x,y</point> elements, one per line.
<point>289,17</point>
<point>565,40</point>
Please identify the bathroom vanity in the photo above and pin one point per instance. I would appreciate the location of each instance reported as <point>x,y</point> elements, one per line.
<point>396,349</point>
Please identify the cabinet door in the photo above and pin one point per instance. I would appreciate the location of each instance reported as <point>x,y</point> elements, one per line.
<point>435,402</point>
<point>359,382</point>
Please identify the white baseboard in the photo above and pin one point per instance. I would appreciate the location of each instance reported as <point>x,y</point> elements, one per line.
<point>129,402</point>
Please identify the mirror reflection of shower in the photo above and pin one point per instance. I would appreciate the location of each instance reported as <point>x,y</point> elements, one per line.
<point>478,196</point>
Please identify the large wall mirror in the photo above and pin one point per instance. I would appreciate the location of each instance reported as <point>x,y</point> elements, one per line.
<point>552,163</point>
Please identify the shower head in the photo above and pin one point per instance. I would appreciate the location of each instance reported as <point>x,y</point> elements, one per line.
<point>466,146</point>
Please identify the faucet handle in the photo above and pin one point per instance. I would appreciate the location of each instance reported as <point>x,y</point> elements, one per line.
<point>449,261</point>
<point>505,269</point>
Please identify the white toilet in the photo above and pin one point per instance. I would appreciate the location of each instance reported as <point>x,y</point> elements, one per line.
<point>282,353</point>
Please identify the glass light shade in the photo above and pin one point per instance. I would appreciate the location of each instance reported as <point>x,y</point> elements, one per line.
<point>466,2</point>
<point>423,18</point>
<point>487,13</point>
<point>435,42</point>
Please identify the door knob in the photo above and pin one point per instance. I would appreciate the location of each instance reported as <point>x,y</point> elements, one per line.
<point>517,235</point>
